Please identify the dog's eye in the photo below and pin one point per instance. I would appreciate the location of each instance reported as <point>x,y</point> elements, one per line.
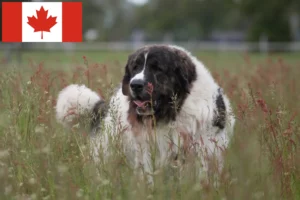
<point>157,68</point>
<point>135,67</point>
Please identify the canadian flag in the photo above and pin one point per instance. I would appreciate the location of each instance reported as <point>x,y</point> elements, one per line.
<point>41,22</point>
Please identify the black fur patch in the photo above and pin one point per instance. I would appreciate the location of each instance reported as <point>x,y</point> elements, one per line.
<point>170,71</point>
<point>220,112</point>
<point>98,113</point>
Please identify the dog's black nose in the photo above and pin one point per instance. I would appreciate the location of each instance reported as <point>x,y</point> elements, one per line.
<point>137,85</point>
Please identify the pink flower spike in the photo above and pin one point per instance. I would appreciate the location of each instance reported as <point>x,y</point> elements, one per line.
<point>150,88</point>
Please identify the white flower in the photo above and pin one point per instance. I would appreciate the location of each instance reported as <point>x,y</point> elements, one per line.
<point>62,168</point>
<point>4,154</point>
<point>8,190</point>
<point>46,149</point>
<point>32,181</point>
<point>79,193</point>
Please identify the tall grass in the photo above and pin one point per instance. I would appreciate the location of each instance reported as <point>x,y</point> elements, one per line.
<point>39,159</point>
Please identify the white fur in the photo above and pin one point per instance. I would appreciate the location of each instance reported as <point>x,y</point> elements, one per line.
<point>141,75</point>
<point>74,101</point>
<point>195,119</point>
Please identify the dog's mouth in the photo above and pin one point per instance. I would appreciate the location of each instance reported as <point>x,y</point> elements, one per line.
<point>144,107</point>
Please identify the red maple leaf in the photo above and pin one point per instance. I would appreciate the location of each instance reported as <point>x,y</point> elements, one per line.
<point>41,23</point>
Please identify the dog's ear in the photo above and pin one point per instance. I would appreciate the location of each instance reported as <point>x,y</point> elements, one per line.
<point>125,82</point>
<point>185,69</point>
<point>126,77</point>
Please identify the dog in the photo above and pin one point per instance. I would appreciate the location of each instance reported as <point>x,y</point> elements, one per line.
<point>167,100</point>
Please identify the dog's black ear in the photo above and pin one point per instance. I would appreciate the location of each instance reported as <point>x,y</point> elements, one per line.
<point>125,82</point>
<point>186,70</point>
<point>126,77</point>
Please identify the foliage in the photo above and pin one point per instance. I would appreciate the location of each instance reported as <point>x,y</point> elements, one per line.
<point>186,19</point>
<point>270,18</point>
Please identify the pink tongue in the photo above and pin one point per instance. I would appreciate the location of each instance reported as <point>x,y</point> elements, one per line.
<point>140,103</point>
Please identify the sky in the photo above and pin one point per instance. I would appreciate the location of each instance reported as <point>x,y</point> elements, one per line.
<point>139,2</point>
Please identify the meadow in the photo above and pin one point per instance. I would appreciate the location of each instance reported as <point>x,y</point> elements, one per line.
<point>39,159</point>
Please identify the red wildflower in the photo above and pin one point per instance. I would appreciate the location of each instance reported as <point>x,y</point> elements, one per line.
<point>262,105</point>
<point>150,88</point>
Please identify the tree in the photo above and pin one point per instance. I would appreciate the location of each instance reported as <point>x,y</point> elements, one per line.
<point>93,15</point>
<point>269,18</point>
<point>184,19</point>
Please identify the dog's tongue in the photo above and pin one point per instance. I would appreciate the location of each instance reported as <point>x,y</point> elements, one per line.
<point>140,104</point>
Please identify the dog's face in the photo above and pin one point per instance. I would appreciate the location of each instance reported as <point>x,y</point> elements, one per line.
<point>157,80</point>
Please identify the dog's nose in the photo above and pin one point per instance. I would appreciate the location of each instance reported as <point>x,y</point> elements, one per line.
<point>137,85</point>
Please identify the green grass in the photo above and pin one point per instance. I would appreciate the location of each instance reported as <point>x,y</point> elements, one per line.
<point>39,159</point>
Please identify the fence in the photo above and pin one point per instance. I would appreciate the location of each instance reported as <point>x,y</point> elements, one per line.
<point>130,46</point>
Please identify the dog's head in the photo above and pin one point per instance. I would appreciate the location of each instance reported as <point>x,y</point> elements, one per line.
<point>157,80</point>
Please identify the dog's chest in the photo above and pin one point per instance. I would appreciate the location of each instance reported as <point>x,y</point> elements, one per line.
<point>167,139</point>
<point>187,134</point>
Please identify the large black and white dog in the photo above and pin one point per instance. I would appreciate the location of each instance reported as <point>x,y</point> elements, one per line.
<point>167,96</point>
